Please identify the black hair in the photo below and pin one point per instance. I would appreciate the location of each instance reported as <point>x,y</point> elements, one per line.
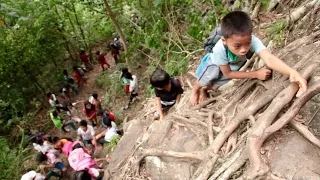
<point>41,157</point>
<point>98,52</point>
<point>159,78</point>
<point>100,112</point>
<point>50,139</point>
<point>54,140</point>
<point>95,95</point>
<point>236,23</point>
<point>128,75</point>
<point>82,52</point>
<point>124,70</point>
<point>39,141</point>
<point>54,113</point>
<point>106,121</point>
<point>81,175</point>
<point>89,110</point>
<point>49,94</point>
<point>83,123</point>
<point>65,72</point>
<point>76,68</point>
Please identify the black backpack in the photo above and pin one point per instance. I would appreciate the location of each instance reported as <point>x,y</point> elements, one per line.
<point>214,37</point>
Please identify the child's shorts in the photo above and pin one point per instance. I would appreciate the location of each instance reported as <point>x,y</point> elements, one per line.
<point>208,73</point>
<point>59,165</point>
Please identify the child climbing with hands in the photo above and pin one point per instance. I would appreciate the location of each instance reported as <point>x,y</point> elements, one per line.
<point>168,92</point>
<point>229,55</point>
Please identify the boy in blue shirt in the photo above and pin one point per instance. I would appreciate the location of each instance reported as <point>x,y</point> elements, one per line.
<point>229,54</point>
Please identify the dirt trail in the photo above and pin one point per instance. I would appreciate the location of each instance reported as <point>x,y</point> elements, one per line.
<point>85,91</point>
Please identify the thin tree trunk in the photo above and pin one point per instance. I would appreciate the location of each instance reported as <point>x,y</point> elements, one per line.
<point>215,12</point>
<point>122,37</point>
<point>63,36</point>
<point>33,79</point>
<point>80,27</point>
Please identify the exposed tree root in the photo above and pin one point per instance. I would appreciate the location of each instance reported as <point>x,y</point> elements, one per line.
<point>232,141</point>
<point>235,166</point>
<point>205,103</point>
<point>301,11</point>
<point>255,139</point>
<point>204,172</point>
<point>209,122</point>
<point>303,129</point>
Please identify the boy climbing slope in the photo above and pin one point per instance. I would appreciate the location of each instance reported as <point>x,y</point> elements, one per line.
<point>229,54</point>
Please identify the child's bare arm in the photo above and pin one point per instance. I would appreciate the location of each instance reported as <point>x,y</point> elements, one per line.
<point>178,98</point>
<point>261,74</point>
<point>159,107</point>
<point>276,64</point>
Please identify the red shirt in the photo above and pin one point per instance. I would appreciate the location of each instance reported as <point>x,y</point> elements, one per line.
<point>84,57</point>
<point>101,59</point>
<point>76,75</point>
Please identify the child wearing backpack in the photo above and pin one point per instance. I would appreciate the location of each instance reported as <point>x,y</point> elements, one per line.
<point>124,80</point>
<point>69,82</point>
<point>229,54</point>
<point>79,75</point>
<point>95,101</point>
<point>53,101</point>
<point>85,60</point>
<point>72,111</point>
<point>168,92</point>
<point>102,60</point>
<point>60,123</point>
<point>133,86</point>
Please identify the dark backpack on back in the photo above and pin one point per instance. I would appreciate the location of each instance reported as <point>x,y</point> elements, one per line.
<point>214,37</point>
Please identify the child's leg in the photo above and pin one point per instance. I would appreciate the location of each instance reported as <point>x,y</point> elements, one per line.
<point>102,66</point>
<point>71,124</point>
<point>204,92</point>
<point>61,167</point>
<point>204,78</point>
<point>52,173</point>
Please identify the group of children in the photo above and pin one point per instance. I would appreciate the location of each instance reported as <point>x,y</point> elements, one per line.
<point>65,117</point>
<point>79,152</point>
<point>219,65</point>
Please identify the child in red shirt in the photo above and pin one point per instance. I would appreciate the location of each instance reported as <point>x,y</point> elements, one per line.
<point>85,59</point>
<point>79,76</point>
<point>90,111</point>
<point>102,60</point>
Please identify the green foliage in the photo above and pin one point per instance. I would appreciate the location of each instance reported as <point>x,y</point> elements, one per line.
<point>177,66</point>
<point>11,160</point>
<point>265,3</point>
<point>110,81</point>
<point>112,144</point>
<point>276,32</point>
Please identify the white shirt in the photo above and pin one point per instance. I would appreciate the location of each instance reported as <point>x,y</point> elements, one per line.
<point>91,99</point>
<point>111,133</point>
<point>134,84</point>
<point>53,158</point>
<point>88,135</point>
<point>52,101</point>
<point>32,175</point>
<point>72,112</point>
<point>44,148</point>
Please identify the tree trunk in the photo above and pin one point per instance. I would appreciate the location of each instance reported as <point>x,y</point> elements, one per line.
<point>122,37</point>
<point>80,27</point>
